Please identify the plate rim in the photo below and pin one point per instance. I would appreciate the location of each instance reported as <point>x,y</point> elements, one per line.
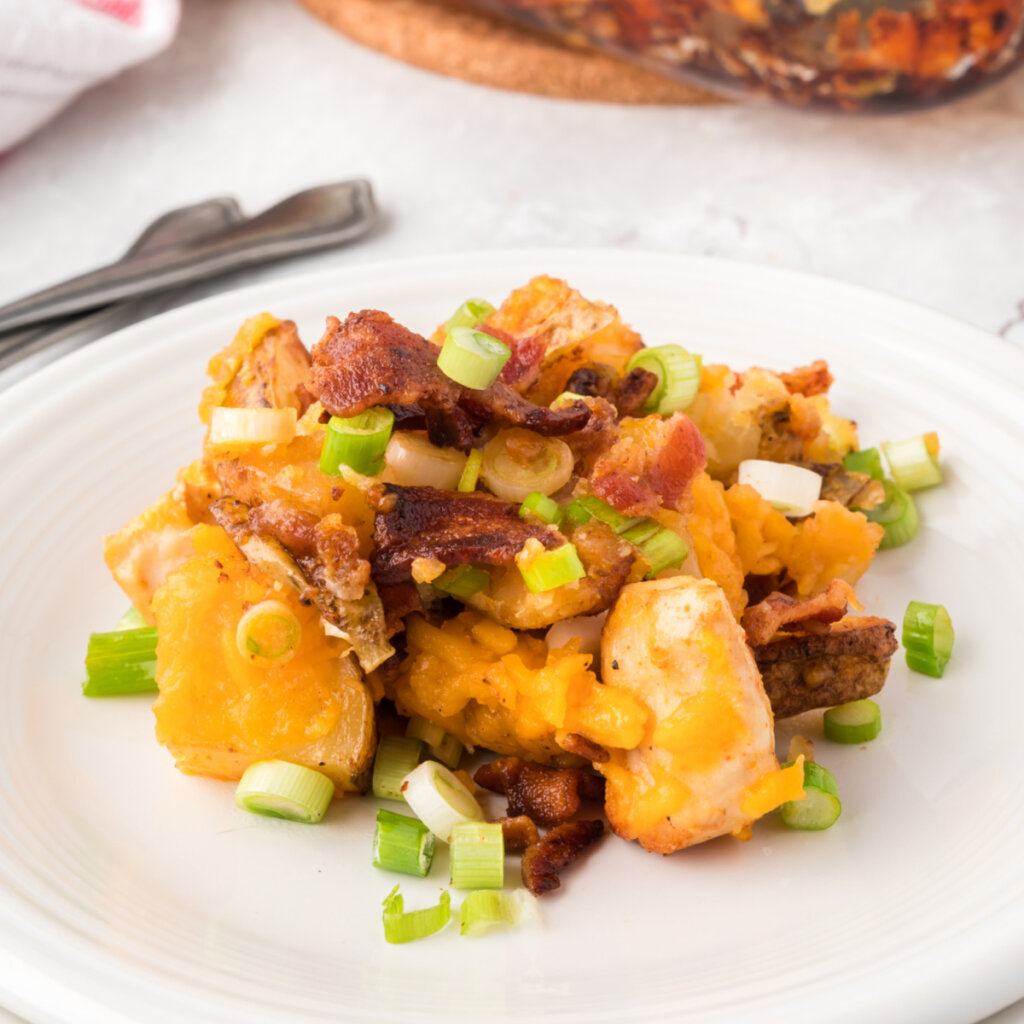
<point>194,315</point>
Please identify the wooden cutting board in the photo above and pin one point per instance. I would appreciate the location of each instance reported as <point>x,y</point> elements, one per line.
<point>451,40</point>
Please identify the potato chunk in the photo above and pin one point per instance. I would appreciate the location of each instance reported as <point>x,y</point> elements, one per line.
<point>219,709</point>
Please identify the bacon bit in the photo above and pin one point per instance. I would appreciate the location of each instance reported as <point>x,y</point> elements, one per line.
<point>574,743</point>
<point>370,360</point>
<point>523,366</point>
<point>652,464</point>
<point>399,600</point>
<point>519,833</point>
<point>779,611</point>
<point>456,529</point>
<point>558,849</point>
<point>548,795</point>
<point>813,379</point>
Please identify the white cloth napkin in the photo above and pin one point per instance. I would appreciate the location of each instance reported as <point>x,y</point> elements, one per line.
<point>51,50</point>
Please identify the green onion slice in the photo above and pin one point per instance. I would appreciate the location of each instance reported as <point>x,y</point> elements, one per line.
<point>820,808</point>
<point>518,462</point>
<point>927,638</point>
<point>540,506</point>
<point>549,569</point>
<point>280,789</point>
<point>401,843</point>
<point>471,471</point>
<point>396,757</point>
<point>439,799</point>
<point>577,514</point>
<point>867,460</point>
<point>470,313</point>
<point>478,855</point>
<point>792,490</point>
<point>860,721</point>
<point>120,662</point>
<point>472,358</point>
<point>417,924</point>
<point>604,513</point>
<point>678,375</point>
<point>268,630</point>
<point>252,426</point>
<point>132,619</point>
<point>665,549</point>
<point>912,462</point>
<point>443,746</point>
<point>462,581</point>
<point>483,909</point>
<point>358,442</point>
<point>897,515</point>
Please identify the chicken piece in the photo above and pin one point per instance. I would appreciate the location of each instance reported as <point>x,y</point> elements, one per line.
<point>706,766</point>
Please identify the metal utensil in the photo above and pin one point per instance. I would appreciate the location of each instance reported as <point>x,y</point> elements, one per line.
<point>317,218</point>
<point>178,229</point>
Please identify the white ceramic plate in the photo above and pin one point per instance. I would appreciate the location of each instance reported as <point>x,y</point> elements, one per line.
<point>129,892</point>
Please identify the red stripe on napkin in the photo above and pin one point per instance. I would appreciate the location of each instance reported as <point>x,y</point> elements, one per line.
<point>128,11</point>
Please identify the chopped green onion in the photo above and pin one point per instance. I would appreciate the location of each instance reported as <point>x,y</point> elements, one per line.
<point>132,619</point>
<point>820,808</point>
<point>665,550</point>
<point>642,531</point>
<point>897,515</point>
<point>927,638</point>
<point>482,909</point>
<point>567,398</point>
<point>268,630</point>
<point>123,661</point>
<point>472,358</point>
<point>401,843</point>
<point>462,581</point>
<point>470,313</point>
<point>790,489</point>
<point>912,463</point>
<point>678,376</point>
<point>577,514</point>
<point>252,426</point>
<point>546,570</point>
<point>442,745</point>
<point>396,757</point>
<point>603,512</point>
<point>358,442</point>
<point>412,461</point>
<point>280,789</point>
<point>857,722</point>
<point>439,799</point>
<point>538,504</point>
<point>417,924</point>
<point>478,855</point>
<point>867,460</point>
<point>471,471</point>
<point>517,462</point>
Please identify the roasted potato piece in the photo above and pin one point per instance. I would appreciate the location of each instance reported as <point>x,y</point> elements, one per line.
<point>219,709</point>
<point>706,765</point>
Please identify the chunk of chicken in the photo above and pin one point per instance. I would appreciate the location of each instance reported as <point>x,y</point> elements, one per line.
<point>706,765</point>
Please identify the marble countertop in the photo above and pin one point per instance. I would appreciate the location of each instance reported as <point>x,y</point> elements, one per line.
<point>257,100</point>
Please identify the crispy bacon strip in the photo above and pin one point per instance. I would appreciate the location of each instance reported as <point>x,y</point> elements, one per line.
<point>454,528</point>
<point>558,849</point>
<point>806,671</point>
<point>523,366</point>
<point>633,390</point>
<point>519,833</point>
<point>371,360</point>
<point>652,464</point>
<point>547,795</point>
<point>779,611</point>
